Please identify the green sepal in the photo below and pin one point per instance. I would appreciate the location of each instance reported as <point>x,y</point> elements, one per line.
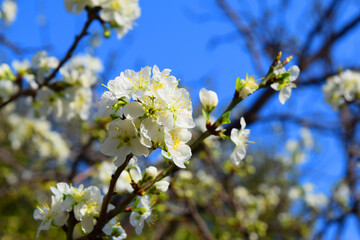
<point>121,103</point>
<point>114,116</point>
<point>225,118</point>
<point>206,115</point>
<point>239,84</point>
<point>136,203</point>
<point>284,76</point>
<point>223,136</point>
<point>187,163</point>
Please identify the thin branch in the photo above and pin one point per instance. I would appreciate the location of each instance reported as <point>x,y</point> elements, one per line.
<point>245,32</point>
<point>332,39</point>
<point>200,223</point>
<point>103,216</point>
<point>92,15</point>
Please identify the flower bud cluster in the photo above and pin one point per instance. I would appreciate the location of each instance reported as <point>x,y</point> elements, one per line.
<point>341,88</point>
<point>120,14</point>
<point>149,112</point>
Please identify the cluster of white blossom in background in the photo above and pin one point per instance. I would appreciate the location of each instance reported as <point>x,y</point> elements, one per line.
<point>68,98</point>
<point>132,174</point>
<point>159,116</point>
<point>120,14</point>
<point>85,203</point>
<point>78,76</point>
<point>341,88</point>
<point>36,136</point>
<point>8,10</point>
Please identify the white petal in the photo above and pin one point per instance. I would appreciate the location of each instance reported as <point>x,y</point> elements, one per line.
<point>234,136</point>
<point>285,94</point>
<point>294,72</point>
<point>275,86</point>
<point>87,223</point>
<point>133,220</point>
<point>149,128</point>
<point>133,110</point>
<point>109,146</point>
<point>137,148</point>
<point>242,123</point>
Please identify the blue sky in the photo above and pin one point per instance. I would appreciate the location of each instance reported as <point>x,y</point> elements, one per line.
<point>176,35</point>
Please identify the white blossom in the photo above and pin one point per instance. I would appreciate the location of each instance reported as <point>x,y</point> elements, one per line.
<point>8,11</point>
<point>151,171</point>
<point>49,102</point>
<point>123,139</point>
<point>114,229</point>
<point>342,87</point>
<point>79,5</point>
<point>248,86</point>
<point>158,112</point>
<point>176,140</point>
<point>162,185</point>
<point>80,100</point>
<point>120,14</point>
<point>287,84</point>
<point>50,214</point>
<point>142,213</point>
<point>7,89</point>
<point>43,142</point>
<point>42,64</point>
<point>240,138</point>
<point>208,99</point>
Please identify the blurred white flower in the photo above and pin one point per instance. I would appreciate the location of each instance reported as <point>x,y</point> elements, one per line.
<point>240,138</point>
<point>8,11</point>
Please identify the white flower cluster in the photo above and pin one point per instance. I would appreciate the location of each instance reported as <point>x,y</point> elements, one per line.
<point>37,135</point>
<point>75,96</point>
<point>341,88</point>
<point>119,13</point>
<point>287,82</point>
<point>8,11</point>
<point>314,200</point>
<point>85,204</point>
<point>131,174</point>
<point>158,117</point>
